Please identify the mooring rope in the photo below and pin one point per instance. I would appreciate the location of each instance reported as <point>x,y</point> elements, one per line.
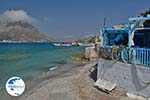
<point>122,55</point>
<point>117,52</point>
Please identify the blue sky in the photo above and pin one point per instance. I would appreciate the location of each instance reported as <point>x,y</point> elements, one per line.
<point>63,19</point>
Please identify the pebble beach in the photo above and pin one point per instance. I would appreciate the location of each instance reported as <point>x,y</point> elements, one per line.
<point>72,81</point>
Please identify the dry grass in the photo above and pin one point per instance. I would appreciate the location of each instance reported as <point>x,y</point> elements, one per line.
<point>80,57</point>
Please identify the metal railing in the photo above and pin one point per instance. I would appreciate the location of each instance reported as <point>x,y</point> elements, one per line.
<point>142,56</point>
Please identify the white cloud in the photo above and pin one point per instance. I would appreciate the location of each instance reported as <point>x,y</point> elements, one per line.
<point>15,16</point>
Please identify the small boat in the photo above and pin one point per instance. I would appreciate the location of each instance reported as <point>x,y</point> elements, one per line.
<point>86,44</point>
<point>65,44</point>
<point>62,44</point>
<point>57,44</point>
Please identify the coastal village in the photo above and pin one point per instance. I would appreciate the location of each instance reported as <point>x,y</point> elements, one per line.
<point>110,64</point>
<point>124,57</point>
<point>115,68</point>
<point>122,52</point>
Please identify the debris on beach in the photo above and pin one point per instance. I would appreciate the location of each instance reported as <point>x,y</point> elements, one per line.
<point>53,68</point>
<point>104,85</point>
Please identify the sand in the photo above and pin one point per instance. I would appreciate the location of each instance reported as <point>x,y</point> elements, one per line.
<point>72,81</point>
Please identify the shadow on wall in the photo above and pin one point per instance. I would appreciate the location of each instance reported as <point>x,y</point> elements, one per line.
<point>136,79</point>
<point>93,72</point>
<point>108,65</point>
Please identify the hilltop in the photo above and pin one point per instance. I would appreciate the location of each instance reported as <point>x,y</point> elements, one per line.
<point>24,32</point>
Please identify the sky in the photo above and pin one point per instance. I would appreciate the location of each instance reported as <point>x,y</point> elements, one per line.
<point>71,19</point>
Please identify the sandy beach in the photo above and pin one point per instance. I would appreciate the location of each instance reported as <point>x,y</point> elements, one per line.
<point>72,81</point>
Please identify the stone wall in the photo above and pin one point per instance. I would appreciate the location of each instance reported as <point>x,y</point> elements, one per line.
<point>133,79</point>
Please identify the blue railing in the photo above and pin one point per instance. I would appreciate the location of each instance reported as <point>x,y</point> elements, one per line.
<point>142,56</point>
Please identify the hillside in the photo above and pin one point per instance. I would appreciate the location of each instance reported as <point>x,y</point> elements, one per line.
<point>86,40</point>
<point>18,31</point>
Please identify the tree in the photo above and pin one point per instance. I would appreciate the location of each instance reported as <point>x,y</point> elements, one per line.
<point>145,13</point>
<point>147,22</point>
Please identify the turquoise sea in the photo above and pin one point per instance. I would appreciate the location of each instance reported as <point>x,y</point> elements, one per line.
<point>28,60</point>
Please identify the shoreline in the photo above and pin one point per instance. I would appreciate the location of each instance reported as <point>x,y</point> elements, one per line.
<point>66,70</point>
<point>71,81</point>
<point>38,81</point>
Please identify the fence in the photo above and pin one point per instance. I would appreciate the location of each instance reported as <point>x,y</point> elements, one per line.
<point>142,56</point>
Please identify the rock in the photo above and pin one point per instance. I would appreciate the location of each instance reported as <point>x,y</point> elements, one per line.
<point>24,32</point>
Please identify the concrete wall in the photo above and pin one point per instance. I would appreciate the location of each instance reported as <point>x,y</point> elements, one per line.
<point>132,79</point>
<point>90,53</point>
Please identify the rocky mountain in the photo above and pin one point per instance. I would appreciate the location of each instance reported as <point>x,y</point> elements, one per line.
<point>19,31</point>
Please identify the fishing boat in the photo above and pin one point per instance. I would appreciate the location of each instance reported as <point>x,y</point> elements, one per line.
<point>86,44</point>
<point>66,44</point>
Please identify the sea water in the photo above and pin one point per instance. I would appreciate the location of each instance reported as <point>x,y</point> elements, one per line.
<point>28,60</point>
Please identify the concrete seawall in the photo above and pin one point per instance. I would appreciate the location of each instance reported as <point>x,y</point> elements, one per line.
<point>133,79</point>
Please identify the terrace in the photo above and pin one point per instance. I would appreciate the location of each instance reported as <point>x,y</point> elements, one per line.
<point>127,43</point>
